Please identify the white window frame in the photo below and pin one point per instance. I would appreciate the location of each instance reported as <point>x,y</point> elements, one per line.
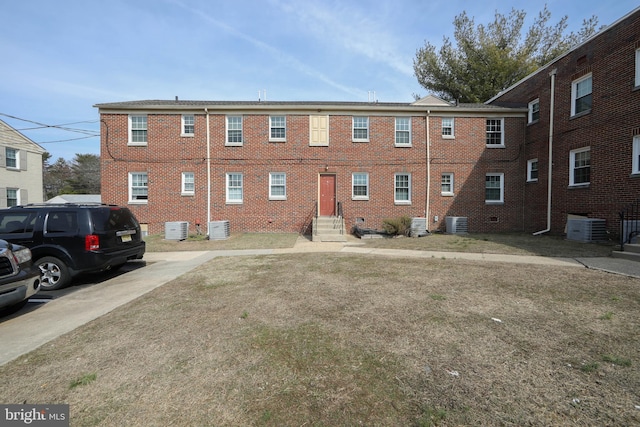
<point>276,182</point>
<point>572,166</point>
<point>188,123</point>
<point>534,108</point>
<point>637,83</point>
<point>355,182</point>
<point>135,124</point>
<point>574,94</point>
<point>492,201</point>
<point>530,170</point>
<point>188,184</point>
<point>235,125</point>
<point>16,192</point>
<point>228,187</point>
<point>143,198</point>
<point>360,121</point>
<point>492,132</point>
<point>446,178</point>
<point>15,157</point>
<point>403,127</point>
<point>282,126</point>
<point>396,188</point>
<point>448,123</point>
<point>635,164</point>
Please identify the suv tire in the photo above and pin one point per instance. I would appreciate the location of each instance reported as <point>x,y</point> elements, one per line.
<point>54,274</point>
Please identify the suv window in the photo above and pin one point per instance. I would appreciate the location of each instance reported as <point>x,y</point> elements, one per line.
<point>61,222</point>
<point>17,222</point>
<point>113,219</point>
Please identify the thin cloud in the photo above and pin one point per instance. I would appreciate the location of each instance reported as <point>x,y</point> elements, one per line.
<point>283,57</point>
<point>347,27</point>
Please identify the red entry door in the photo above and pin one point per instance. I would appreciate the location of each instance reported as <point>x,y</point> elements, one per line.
<point>327,195</point>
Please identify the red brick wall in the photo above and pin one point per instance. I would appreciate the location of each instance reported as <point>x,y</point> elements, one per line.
<point>167,155</point>
<point>469,159</point>
<point>608,129</point>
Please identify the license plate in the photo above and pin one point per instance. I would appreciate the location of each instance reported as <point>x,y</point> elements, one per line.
<point>126,238</point>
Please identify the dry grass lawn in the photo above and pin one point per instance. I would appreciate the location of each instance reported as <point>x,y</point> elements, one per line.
<point>337,339</point>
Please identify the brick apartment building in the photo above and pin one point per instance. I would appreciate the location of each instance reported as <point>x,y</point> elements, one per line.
<point>591,123</point>
<point>274,166</point>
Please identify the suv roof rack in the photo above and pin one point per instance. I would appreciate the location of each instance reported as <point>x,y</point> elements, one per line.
<point>45,205</point>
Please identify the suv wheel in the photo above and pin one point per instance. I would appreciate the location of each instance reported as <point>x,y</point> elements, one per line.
<point>54,274</point>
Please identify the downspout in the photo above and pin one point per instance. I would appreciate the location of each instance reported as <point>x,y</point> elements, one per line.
<point>552,74</point>
<point>206,110</point>
<point>427,199</point>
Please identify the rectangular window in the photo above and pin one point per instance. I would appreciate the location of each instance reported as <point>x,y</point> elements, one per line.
<point>402,193</point>
<point>637,67</point>
<point>12,197</point>
<point>11,157</point>
<point>234,130</point>
<point>188,124</point>
<point>361,129</point>
<point>403,131</point>
<point>532,170</point>
<point>137,130</point>
<point>234,188</point>
<point>636,155</point>
<point>447,127</point>
<point>495,136</point>
<point>360,186</point>
<point>494,188</point>
<point>277,128</point>
<point>581,95</point>
<point>534,111</point>
<point>277,186</point>
<point>138,187</point>
<point>188,183</point>
<point>446,184</point>
<point>580,166</point>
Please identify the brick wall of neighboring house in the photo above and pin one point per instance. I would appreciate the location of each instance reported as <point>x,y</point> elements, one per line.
<point>608,129</point>
<point>167,154</point>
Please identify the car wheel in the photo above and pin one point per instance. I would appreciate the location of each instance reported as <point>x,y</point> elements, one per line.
<point>54,274</point>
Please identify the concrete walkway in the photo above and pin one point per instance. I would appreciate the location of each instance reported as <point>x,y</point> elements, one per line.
<point>30,330</point>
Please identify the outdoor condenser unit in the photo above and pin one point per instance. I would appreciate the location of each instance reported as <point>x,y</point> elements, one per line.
<point>457,224</point>
<point>176,230</point>
<point>418,227</point>
<point>218,230</point>
<point>586,230</point>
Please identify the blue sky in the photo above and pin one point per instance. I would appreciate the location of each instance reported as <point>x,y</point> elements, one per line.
<point>62,57</point>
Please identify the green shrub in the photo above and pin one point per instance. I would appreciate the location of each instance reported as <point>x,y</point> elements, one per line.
<point>397,226</point>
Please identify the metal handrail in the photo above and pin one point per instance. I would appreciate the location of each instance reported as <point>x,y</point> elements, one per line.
<point>630,214</point>
<point>341,217</point>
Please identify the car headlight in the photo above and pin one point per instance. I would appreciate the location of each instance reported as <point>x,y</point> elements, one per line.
<point>22,255</point>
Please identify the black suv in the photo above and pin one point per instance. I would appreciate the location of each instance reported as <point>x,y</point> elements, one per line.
<point>69,239</point>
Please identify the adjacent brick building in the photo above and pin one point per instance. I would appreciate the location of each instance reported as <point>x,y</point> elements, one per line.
<point>592,124</point>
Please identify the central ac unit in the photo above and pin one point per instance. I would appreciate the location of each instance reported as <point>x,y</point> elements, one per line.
<point>457,224</point>
<point>218,230</point>
<point>418,227</point>
<point>177,230</point>
<point>586,230</point>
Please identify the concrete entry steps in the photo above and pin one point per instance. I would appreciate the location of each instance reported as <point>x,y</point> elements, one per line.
<point>328,229</point>
<point>631,252</point>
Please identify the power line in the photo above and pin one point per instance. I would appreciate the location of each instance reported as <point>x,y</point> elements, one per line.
<point>63,127</point>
